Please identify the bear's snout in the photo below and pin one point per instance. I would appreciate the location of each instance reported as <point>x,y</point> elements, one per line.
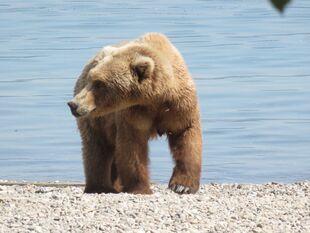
<point>73,107</point>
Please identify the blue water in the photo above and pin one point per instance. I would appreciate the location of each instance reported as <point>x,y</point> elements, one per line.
<point>251,66</point>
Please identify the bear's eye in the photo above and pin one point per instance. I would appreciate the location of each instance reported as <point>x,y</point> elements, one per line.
<point>97,84</point>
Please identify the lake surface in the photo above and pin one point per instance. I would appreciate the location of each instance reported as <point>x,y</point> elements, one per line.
<point>251,66</point>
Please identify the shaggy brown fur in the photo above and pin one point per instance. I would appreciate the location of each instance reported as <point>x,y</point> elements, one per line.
<point>126,95</point>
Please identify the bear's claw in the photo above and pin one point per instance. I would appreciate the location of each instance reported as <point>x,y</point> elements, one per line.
<point>180,189</point>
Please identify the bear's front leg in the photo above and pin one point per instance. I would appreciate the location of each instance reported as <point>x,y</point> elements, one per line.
<point>186,148</point>
<point>97,158</point>
<point>132,159</point>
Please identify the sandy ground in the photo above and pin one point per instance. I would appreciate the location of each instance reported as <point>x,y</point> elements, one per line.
<point>215,208</point>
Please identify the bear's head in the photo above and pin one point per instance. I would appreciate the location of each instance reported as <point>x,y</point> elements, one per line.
<point>123,77</point>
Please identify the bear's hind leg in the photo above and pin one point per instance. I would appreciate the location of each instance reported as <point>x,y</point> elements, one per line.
<point>132,159</point>
<point>186,148</point>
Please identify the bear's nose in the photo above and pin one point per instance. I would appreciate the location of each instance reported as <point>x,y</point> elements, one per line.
<point>73,107</point>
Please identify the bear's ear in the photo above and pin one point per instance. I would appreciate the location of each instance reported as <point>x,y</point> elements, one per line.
<point>142,67</point>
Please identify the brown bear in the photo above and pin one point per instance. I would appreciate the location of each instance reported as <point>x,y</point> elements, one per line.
<point>126,95</point>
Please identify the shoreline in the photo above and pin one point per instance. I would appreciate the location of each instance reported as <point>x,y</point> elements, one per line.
<point>58,183</point>
<point>62,207</point>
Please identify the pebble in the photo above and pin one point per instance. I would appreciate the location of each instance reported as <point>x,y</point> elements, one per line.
<point>272,207</point>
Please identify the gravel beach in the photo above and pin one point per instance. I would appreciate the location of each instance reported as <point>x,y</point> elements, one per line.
<point>55,207</point>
